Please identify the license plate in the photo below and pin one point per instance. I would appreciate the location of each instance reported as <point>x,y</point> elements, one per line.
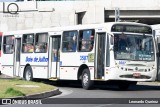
<point>136,74</point>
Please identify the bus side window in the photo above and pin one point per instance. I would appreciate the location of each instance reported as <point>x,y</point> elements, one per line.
<point>41,42</point>
<point>8,44</point>
<point>28,43</point>
<point>69,43</point>
<point>86,40</point>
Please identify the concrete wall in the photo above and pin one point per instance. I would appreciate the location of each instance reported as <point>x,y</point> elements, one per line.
<point>63,13</point>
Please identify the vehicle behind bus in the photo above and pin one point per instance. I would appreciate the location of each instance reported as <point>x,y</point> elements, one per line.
<point>156,30</point>
<point>117,51</point>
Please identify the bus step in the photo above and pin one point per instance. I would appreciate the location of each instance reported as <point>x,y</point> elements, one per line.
<point>53,79</point>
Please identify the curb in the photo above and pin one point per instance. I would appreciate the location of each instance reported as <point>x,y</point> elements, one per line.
<point>41,95</point>
<point>156,83</point>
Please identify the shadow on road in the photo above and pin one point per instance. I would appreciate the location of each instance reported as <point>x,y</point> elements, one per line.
<point>100,86</point>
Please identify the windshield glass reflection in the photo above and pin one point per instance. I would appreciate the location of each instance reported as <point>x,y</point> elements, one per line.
<point>133,47</point>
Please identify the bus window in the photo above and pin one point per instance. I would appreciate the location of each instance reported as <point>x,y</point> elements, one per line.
<point>69,41</point>
<point>41,42</point>
<point>8,44</point>
<point>28,43</point>
<point>86,40</point>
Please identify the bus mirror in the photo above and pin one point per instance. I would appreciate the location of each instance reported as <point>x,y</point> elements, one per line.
<point>111,40</point>
<point>154,33</point>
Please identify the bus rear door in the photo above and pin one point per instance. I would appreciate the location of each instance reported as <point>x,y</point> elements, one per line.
<point>8,55</point>
<point>54,54</point>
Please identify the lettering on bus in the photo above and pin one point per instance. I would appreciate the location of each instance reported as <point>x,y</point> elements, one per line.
<point>83,57</point>
<point>122,62</point>
<point>36,59</point>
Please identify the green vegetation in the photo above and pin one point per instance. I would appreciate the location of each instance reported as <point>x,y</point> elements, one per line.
<point>13,92</point>
<point>16,87</point>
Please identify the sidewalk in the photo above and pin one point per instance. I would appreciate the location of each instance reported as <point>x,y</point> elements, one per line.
<point>156,83</point>
<point>2,76</point>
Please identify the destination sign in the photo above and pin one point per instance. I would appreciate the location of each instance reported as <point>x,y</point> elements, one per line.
<point>131,28</point>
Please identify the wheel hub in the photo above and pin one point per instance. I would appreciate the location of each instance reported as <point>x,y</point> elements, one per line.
<point>85,79</point>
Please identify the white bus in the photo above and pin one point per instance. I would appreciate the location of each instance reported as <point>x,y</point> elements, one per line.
<point>115,51</point>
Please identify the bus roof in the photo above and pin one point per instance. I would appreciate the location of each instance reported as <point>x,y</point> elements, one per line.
<point>155,27</point>
<point>73,27</point>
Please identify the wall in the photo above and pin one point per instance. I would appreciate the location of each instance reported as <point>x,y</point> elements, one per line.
<point>62,13</point>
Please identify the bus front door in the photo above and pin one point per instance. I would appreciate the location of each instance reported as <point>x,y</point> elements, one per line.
<point>100,55</point>
<point>54,56</point>
<point>16,63</point>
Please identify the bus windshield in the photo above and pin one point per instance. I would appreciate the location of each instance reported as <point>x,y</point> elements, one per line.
<point>133,47</point>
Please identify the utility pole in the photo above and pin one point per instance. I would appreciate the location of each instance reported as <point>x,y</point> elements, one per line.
<point>117,14</point>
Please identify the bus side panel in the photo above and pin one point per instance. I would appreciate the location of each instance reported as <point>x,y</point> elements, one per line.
<point>38,63</point>
<point>70,63</point>
<point>68,73</point>
<point>40,72</point>
<point>7,64</point>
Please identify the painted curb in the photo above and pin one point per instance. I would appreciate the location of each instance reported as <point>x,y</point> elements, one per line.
<point>41,95</point>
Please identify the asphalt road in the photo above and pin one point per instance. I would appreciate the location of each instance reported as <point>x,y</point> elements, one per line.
<point>141,90</point>
<point>73,95</point>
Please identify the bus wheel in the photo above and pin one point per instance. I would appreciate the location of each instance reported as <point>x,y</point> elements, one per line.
<point>86,81</point>
<point>123,85</point>
<point>28,74</point>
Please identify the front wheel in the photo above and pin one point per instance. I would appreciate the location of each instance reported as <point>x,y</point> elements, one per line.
<point>87,83</point>
<point>28,74</point>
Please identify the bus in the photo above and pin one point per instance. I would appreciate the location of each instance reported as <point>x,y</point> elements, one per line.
<point>0,50</point>
<point>124,52</point>
<point>156,32</point>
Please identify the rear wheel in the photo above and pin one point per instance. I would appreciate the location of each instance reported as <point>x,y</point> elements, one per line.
<point>87,83</point>
<point>28,75</point>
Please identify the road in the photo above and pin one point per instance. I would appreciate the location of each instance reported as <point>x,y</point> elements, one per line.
<point>73,92</point>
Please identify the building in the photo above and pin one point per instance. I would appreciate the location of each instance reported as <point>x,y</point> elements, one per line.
<point>41,14</point>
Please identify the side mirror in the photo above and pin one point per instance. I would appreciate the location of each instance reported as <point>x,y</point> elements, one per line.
<point>111,40</point>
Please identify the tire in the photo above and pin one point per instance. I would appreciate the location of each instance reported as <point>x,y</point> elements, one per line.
<point>28,75</point>
<point>87,83</point>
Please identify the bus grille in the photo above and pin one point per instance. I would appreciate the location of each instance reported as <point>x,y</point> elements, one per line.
<point>131,76</point>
